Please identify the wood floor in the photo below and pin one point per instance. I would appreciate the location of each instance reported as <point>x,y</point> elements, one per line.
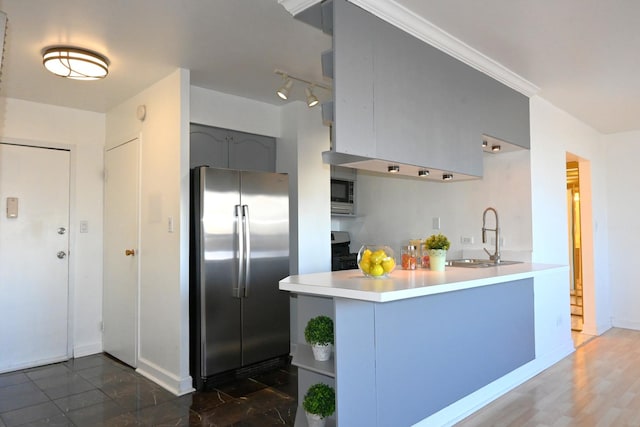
<point>598,385</point>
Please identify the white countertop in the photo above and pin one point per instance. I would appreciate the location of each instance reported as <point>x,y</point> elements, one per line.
<point>402,284</point>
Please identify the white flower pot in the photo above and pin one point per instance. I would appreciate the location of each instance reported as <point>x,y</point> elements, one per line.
<point>437,259</point>
<point>321,352</point>
<point>315,420</point>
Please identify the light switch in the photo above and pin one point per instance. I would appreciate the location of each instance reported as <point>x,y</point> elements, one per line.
<point>12,207</point>
<point>170,224</point>
<point>84,226</point>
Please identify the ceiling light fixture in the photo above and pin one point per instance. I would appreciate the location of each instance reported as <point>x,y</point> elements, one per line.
<point>393,169</point>
<point>312,100</point>
<point>496,148</point>
<point>484,143</point>
<point>285,89</point>
<point>75,63</point>
<point>423,173</point>
<point>447,176</point>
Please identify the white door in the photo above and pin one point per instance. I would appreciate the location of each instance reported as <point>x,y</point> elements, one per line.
<point>34,266</point>
<point>120,298</point>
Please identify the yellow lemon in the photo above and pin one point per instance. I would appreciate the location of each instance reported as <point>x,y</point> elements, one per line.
<point>366,254</point>
<point>378,256</point>
<point>365,266</point>
<point>376,270</point>
<point>388,264</point>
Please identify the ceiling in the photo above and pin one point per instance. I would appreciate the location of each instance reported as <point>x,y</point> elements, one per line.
<point>582,54</point>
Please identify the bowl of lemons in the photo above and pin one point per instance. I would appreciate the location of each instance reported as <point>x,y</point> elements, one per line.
<point>376,260</point>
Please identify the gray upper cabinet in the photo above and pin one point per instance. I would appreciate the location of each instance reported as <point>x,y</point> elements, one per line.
<point>400,99</point>
<point>225,148</point>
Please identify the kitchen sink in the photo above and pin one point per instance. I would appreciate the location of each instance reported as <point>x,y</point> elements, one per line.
<point>478,263</point>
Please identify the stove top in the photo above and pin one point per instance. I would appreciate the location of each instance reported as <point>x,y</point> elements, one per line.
<point>341,258</point>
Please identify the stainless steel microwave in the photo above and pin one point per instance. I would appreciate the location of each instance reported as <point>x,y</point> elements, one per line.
<point>342,196</point>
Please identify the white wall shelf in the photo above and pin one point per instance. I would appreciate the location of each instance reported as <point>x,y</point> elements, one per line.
<point>303,358</point>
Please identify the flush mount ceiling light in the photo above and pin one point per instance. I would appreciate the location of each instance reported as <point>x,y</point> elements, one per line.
<point>75,63</point>
<point>393,169</point>
<point>310,97</point>
<point>496,148</point>
<point>447,176</point>
<point>423,173</point>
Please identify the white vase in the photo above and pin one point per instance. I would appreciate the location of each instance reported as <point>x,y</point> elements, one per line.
<point>315,420</point>
<point>437,259</point>
<point>321,352</point>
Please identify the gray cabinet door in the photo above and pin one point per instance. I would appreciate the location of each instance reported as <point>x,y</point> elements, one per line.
<point>400,99</point>
<point>209,147</point>
<point>252,152</point>
<point>225,148</point>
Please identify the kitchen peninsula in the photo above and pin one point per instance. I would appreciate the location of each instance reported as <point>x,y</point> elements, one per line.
<point>412,344</point>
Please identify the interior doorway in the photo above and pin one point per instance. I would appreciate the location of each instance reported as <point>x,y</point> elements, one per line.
<point>580,249</point>
<point>575,246</point>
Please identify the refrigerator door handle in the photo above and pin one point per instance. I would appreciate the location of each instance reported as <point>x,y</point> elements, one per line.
<point>237,287</point>
<point>247,249</point>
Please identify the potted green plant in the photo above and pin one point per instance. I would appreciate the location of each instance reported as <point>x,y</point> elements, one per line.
<point>319,335</point>
<point>437,245</point>
<point>319,402</point>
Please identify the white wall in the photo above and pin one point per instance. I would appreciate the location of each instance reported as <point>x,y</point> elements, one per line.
<point>392,210</point>
<point>554,133</point>
<point>83,133</point>
<point>300,148</point>
<point>164,286</point>
<point>226,111</point>
<point>623,152</point>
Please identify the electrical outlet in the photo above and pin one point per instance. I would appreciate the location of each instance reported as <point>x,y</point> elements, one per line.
<point>466,240</point>
<point>435,223</point>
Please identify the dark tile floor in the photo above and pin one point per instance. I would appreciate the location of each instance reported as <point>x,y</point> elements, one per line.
<point>99,391</point>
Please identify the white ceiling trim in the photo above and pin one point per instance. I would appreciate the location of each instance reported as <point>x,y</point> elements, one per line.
<point>417,26</point>
<point>296,6</point>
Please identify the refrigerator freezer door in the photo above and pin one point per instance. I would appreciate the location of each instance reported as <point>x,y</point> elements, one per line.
<point>265,322</point>
<point>220,309</point>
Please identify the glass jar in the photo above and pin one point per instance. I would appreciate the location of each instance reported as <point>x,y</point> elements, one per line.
<point>376,260</point>
<point>409,258</point>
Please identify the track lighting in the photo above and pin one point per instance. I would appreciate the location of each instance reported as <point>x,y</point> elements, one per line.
<point>393,169</point>
<point>495,148</point>
<point>286,87</point>
<point>284,90</point>
<point>447,176</point>
<point>484,143</point>
<point>312,100</point>
<point>423,172</point>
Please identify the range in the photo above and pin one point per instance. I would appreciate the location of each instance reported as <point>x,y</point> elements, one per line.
<point>341,258</point>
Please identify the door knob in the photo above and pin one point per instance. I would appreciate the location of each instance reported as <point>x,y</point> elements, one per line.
<point>62,230</point>
<point>130,252</point>
<point>61,254</point>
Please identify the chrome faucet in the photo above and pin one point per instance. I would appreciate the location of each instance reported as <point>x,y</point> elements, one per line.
<point>496,255</point>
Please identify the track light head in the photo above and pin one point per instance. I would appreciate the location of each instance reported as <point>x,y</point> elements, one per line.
<point>284,90</point>
<point>423,173</point>
<point>393,169</point>
<point>312,100</point>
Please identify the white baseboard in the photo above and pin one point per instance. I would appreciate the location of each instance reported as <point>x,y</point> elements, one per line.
<point>164,378</point>
<point>626,324</point>
<point>487,394</point>
<point>87,350</point>
<point>33,364</point>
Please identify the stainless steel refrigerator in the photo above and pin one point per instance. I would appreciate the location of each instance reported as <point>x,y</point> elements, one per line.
<point>240,244</point>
